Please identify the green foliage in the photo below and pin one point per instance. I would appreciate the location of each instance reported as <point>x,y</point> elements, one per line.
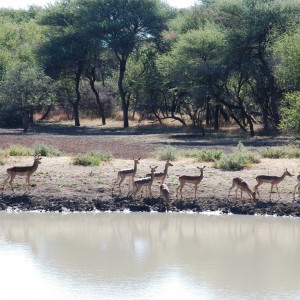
<point>17,150</point>
<point>3,155</point>
<point>209,155</point>
<point>166,153</point>
<point>287,52</point>
<point>237,160</point>
<point>290,113</point>
<point>124,26</point>
<point>23,89</point>
<point>92,158</point>
<point>18,39</point>
<point>44,150</point>
<point>281,152</point>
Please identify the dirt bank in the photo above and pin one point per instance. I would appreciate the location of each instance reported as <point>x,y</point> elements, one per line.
<point>58,185</point>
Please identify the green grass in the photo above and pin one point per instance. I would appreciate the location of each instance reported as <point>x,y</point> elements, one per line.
<point>209,155</point>
<point>17,150</point>
<point>3,156</point>
<point>92,158</point>
<point>238,160</point>
<point>166,153</point>
<point>280,152</point>
<point>44,150</point>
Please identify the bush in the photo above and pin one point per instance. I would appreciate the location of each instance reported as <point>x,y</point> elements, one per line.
<point>92,158</point>
<point>17,150</point>
<point>290,121</point>
<point>43,150</point>
<point>203,155</point>
<point>280,152</point>
<point>166,153</point>
<point>237,160</point>
<point>1,158</point>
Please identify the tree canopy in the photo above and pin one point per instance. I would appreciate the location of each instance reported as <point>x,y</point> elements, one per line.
<point>213,63</point>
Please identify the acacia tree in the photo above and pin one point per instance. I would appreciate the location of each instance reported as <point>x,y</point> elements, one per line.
<point>194,69</point>
<point>287,52</point>
<point>122,26</point>
<point>24,89</point>
<point>65,51</point>
<point>252,28</point>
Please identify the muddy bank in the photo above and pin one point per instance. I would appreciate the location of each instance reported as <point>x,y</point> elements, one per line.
<point>50,203</point>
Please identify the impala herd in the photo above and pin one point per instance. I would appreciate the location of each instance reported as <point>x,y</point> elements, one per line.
<point>237,182</point>
<point>147,181</point>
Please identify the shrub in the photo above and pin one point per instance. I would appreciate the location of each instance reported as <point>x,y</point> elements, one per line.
<point>281,152</point>
<point>44,150</point>
<point>92,158</point>
<point>237,160</point>
<point>17,150</point>
<point>166,153</point>
<point>290,121</point>
<point>203,155</point>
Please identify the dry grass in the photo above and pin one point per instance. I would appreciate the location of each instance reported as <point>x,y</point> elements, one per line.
<point>58,176</point>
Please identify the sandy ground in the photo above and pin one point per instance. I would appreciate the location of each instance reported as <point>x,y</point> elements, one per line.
<point>59,185</point>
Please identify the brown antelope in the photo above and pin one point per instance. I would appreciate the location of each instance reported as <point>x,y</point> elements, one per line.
<point>161,175</point>
<point>297,186</point>
<point>21,171</point>
<point>164,193</point>
<point>273,180</point>
<point>242,185</point>
<point>190,179</point>
<point>143,182</point>
<point>122,174</point>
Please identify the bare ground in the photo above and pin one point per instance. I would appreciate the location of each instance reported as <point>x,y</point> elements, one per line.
<point>58,185</point>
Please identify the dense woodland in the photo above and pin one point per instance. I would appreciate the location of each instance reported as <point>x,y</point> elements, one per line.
<point>217,62</point>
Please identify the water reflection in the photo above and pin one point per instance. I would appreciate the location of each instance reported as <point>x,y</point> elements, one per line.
<point>147,256</point>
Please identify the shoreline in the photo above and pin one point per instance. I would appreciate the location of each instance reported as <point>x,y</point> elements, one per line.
<point>50,203</point>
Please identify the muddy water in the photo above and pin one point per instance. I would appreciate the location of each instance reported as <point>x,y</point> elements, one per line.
<point>148,256</point>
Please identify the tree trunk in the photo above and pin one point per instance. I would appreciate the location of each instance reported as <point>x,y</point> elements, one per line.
<point>78,95</point>
<point>216,117</point>
<point>122,70</point>
<point>207,115</point>
<point>274,90</point>
<point>25,114</point>
<point>75,106</point>
<point>238,122</point>
<point>251,126</point>
<point>46,113</point>
<point>92,79</point>
<point>265,116</point>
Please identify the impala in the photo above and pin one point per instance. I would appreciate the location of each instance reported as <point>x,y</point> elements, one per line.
<point>130,172</point>
<point>195,180</point>
<point>21,171</point>
<point>242,185</point>
<point>273,180</point>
